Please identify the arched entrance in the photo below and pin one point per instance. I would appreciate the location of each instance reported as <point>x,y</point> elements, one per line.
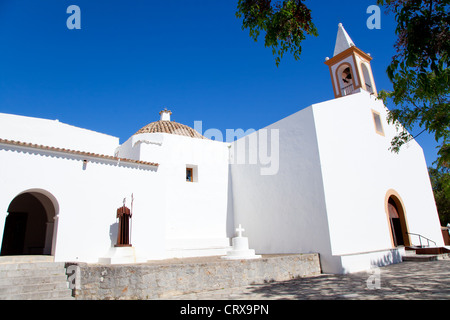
<point>397,220</point>
<point>344,74</point>
<point>30,225</point>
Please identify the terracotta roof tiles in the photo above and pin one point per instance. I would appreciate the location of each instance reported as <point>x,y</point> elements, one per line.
<point>171,127</point>
<point>75,152</point>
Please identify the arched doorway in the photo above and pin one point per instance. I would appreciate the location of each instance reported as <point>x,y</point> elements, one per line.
<point>30,225</point>
<point>397,220</point>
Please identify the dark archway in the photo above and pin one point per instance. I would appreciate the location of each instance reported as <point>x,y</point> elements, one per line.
<point>397,222</point>
<point>344,76</point>
<point>29,226</point>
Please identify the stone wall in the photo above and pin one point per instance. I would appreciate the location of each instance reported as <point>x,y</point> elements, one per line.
<point>155,280</point>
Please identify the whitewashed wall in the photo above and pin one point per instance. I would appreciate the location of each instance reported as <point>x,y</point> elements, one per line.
<point>196,212</point>
<point>86,196</point>
<point>55,134</point>
<point>329,194</point>
<point>358,170</point>
<point>87,200</point>
<point>321,189</point>
<point>284,212</point>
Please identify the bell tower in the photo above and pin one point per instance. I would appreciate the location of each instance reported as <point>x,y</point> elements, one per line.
<point>350,68</point>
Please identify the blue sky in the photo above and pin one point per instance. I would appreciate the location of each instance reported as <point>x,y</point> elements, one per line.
<point>132,58</point>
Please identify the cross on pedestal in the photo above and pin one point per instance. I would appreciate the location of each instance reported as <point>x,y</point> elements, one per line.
<point>239,231</point>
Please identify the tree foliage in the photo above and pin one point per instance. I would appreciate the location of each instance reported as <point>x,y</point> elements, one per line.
<point>285,24</point>
<point>440,181</point>
<point>420,72</point>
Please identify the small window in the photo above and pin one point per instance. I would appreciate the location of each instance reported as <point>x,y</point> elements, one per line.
<point>189,175</point>
<point>377,121</point>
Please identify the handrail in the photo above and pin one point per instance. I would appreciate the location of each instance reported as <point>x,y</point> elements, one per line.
<point>369,88</point>
<point>347,90</point>
<point>421,236</point>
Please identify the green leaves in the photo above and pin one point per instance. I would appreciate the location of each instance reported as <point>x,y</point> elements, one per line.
<point>440,182</point>
<point>420,71</point>
<point>285,24</point>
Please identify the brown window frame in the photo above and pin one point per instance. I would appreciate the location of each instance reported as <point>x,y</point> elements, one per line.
<point>377,114</point>
<point>191,171</point>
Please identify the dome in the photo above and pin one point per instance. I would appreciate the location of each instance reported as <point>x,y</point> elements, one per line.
<point>172,127</point>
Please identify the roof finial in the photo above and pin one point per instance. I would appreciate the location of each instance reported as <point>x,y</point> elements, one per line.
<point>165,114</point>
<point>343,40</point>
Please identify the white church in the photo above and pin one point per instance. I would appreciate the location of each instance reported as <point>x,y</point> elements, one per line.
<point>330,185</point>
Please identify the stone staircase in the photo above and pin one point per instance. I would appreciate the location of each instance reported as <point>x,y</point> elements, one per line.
<point>33,280</point>
<point>426,253</point>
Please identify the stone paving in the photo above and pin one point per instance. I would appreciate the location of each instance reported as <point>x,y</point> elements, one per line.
<point>409,280</point>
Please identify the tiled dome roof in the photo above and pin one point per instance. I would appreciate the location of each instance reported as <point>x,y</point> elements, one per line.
<point>164,125</point>
<point>172,127</point>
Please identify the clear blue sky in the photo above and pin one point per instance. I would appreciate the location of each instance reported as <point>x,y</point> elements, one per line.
<point>132,58</point>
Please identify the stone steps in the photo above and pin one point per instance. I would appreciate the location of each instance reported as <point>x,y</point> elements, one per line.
<point>41,295</point>
<point>34,280</point>
<point>17,281</point>
<point>426,254</point>
<point>25,259</point>
<point>426,257</point>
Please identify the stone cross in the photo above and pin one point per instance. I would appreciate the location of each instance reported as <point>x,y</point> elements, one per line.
<point>239,230</point>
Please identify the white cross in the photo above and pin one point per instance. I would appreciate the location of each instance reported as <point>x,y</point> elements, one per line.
<point>239,230</point>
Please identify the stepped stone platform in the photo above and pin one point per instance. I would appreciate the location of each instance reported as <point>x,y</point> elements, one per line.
<point>165,278</point>
<point>426,254</point>
<point>33,278</point>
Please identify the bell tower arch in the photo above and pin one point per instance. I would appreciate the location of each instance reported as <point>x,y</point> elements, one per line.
<point>350,68</point>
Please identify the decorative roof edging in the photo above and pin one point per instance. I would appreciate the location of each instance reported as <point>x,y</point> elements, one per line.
<point>76,152</point>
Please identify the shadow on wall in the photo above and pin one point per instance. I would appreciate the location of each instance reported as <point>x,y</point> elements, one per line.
<point>362,263</point>
<point>393,257</point>
<point>113,231</point>
<point>230,207</point>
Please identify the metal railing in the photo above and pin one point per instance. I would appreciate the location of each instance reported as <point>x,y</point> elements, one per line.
<point>347,90</point>
<point>369,88</point>
<point>420,239</point>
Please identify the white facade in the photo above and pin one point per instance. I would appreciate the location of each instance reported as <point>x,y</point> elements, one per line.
<point>55,134</point>
<point>321,180</point>
<point>84,194</point>
<point>331,191</point>
<point>195,212</point>
<point>171,217</point>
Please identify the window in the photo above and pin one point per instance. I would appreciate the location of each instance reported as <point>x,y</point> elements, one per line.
<point>189,175</point>
<point>367,80</point>
<point>377,121</point>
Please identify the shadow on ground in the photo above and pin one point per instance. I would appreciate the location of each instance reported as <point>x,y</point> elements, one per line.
<point>407,280</point>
